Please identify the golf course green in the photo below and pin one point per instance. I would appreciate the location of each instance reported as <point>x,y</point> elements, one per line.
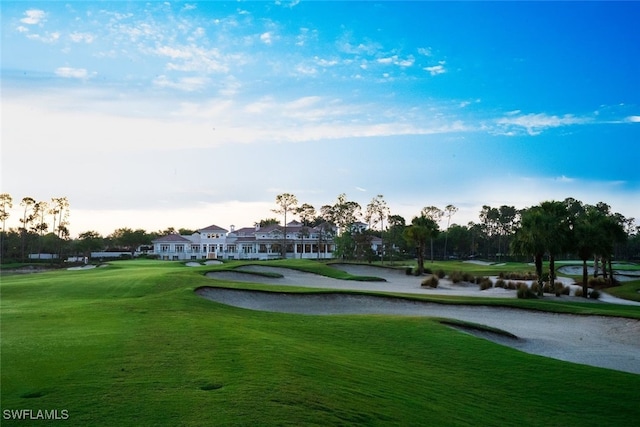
<point>131,343</point>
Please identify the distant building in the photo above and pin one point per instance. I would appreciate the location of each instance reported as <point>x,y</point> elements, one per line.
<point>260,243</point>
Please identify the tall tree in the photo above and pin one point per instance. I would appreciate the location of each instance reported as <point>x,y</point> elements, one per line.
<point>395,240</point>
<point>377,211</point>
<point>40,209</point>
<point>89,241</point>
<point>60,212</point>
<point>555,232</point>
<point>27,217</point>
<point>489,219</point>
<point>6,203</point>
<point>130,239</point>
<point>507,220</point>
<point>286,202</point>
<point>588,237</point>
<point>529,239</point>
<point>418,233</point>
<point>450,210</point>
<point>267,222</point>
<point>434,214</point>
<point>343,213</point>
<point>307,213</point>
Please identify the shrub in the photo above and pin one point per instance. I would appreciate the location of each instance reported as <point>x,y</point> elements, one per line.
<point>467,277</point>
<point>512,285</point>
<point>431,281</point>
<point>579,292</point>
<point>525,292</point>
<point>501,275</point>
<point>521,276</point>
<point>535,288</point>
<point>456,276</point>
<point>558,288</point>
<point>546,288</point>
<point>416,272</point>
<point>596,282</point>
<point>428,271</point>
<point>441,273</point>
<point>594,294</point>
<point>408,271</point>
<point>485,283</point>
<point>500,283</point>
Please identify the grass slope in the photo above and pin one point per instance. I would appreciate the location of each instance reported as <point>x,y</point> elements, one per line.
<point>131,344</point>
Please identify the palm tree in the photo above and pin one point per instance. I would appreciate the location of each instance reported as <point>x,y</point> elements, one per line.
<point>586,234</point>
<point>421,230</point>
<point>554,232</point>
<point>528,239</point>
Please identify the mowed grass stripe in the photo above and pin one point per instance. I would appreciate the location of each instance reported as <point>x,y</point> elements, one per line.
<point>133,345</point>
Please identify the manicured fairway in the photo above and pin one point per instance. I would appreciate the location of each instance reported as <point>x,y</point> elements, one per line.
<point>132,344</point>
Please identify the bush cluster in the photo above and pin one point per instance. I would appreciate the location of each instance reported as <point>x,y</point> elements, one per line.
<point>459,276</point>
<point>484,282</point>
<point>527,275</point>
<point>431,281</point>
<point>514,285</point>
<point>525,292</point>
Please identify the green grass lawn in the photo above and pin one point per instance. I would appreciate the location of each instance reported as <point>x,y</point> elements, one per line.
<point>131,344</point>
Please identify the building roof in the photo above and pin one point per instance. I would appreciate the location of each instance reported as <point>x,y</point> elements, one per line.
<point>213,228</point>
<point>171,238</point>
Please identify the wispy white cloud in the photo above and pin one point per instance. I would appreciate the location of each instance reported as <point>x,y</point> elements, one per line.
<point>48,37</point>
<point>533,124</point>
<point>633,119</point>
<point>395,60</point>
<point>188,84</point>
<point>436,69</point>
<point>33,16</point>
<point>68,72</point>
<point>267,37</point>
<point>78,37</point>
<point>193,58</point>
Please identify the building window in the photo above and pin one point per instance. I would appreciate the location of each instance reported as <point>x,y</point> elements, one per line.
<point>195,248</point>
<point>164,248</point>
<point>179,248</point>
<point>231,248</point>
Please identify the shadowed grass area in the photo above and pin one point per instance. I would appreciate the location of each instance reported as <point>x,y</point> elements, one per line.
<point>131,344</point>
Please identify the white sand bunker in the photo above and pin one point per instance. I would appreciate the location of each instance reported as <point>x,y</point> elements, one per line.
<point>208,262</point>
<point>606,342</point>
<point>394,280</point>
<point>83,267</point>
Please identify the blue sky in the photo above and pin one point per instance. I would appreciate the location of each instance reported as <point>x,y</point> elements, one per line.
<point>185,114</point>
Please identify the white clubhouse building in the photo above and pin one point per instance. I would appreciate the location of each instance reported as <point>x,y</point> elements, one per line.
<point>260,243</point>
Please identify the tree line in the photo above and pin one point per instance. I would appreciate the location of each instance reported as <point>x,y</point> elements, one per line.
<point>552,229</point>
